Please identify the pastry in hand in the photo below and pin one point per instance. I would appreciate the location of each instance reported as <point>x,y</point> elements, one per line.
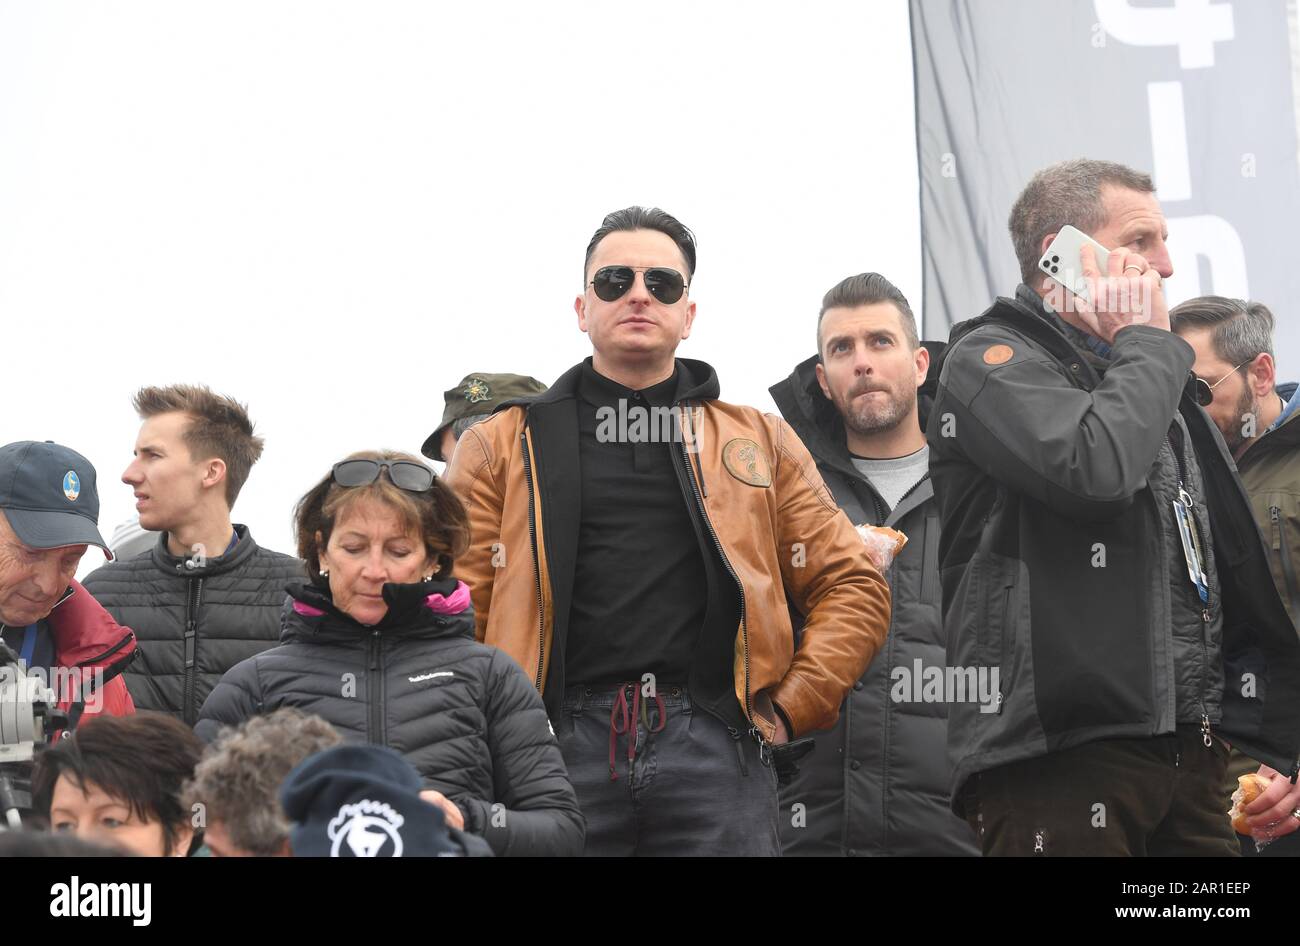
<point>883,544</point>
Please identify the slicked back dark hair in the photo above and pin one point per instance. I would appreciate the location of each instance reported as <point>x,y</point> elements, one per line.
<point>142,761</point>
<point>869,289</point>
<point>645,218</point>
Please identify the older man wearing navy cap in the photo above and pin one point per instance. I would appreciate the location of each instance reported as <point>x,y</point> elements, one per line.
<point>49,514</point>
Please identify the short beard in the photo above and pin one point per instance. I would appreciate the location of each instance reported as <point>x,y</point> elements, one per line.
<point>1246,405</point>
<point>870,419</point>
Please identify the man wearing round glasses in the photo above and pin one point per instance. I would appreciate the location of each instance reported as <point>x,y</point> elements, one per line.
<point>634,544</point>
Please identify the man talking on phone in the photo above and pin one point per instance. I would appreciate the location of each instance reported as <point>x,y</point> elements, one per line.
<point>1098,552</point>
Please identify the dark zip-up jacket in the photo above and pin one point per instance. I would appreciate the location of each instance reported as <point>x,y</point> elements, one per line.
<point>194,618</point>
<point>1051,471</point>
<point>876,784</point>
<point>463,714</point>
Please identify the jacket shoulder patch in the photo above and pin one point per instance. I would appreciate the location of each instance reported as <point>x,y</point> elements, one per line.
<point>997,354</point>
<point>745,462</point>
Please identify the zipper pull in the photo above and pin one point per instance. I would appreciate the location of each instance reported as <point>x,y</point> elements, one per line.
<point>740,750</point>
<point>764,748</point>
<point>1205,615</point>
<point>1205,731</point>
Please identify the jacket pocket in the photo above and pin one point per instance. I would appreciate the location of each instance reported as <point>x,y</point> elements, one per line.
<point>1284,543</point>
<point>1004,600</point>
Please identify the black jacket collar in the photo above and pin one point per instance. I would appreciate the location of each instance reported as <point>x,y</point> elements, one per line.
<point>316,617</point>
<point>203,566</point>
<point>696,381</point>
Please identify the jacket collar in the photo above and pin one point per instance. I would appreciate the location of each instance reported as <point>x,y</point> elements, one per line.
<point>696,381</point>
<point>1281,436</point>
<point>206,567</point>
<point>310,613</point>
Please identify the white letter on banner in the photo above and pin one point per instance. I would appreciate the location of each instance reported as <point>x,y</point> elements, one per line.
<point>1194,26</point>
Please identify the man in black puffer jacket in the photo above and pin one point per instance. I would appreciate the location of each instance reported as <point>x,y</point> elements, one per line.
<point>206,596</point>
<point>877,782</point>
<point>462,713</point>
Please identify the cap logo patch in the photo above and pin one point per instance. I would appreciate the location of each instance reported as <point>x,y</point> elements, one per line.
<point>477,390</point>
<point>997,354</point>
<point>71,486</point>
<point>366,829</point>
<point>745,462</point>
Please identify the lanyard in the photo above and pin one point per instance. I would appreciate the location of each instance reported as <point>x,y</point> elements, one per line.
<point>29,644</point>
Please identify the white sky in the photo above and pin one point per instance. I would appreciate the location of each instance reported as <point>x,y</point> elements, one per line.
<point>334,211</point>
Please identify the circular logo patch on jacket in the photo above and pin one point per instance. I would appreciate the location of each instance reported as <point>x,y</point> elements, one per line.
<point>997,354</point>
<point>746,463</point>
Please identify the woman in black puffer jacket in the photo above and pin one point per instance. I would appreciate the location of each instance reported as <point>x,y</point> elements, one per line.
<point>380,642</point>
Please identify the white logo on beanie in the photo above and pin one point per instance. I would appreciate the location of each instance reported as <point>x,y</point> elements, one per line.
<point>365,827</point>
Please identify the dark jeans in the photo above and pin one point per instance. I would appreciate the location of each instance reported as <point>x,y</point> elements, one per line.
<point>1158,796</point>
<point>689,787</point>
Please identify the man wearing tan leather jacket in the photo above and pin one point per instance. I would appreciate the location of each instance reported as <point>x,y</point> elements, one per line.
<point>634,542</point>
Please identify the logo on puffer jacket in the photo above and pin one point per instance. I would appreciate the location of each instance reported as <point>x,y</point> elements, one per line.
<point>746,462</point>
<point>420,678</point>
<point>366,829</point>
<point>71,486</point>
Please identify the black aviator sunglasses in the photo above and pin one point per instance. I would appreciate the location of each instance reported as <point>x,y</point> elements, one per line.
<point>1205,390</point>
<point>613,282</point>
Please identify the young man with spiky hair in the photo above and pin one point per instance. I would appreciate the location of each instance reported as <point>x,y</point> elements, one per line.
<point>206,596</point>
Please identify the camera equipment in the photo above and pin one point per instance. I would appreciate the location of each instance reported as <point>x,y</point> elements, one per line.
<point>29,718</point>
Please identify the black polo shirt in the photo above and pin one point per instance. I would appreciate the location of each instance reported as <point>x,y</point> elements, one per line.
<point>641,587</point>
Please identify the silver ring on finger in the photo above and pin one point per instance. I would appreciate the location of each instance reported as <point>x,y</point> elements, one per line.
<point>1139,269</point>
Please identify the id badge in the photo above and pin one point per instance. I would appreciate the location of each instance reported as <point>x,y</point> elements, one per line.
<point>1192,549</point>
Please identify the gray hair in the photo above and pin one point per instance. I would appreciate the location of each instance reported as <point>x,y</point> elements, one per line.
<point>868,289</point>
<point>1065,193</point>
<point>1239,329</point>
<point>238,779</point>
<point>462,424</point>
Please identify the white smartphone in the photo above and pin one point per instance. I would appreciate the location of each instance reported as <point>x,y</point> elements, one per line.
<point>1063,263</point>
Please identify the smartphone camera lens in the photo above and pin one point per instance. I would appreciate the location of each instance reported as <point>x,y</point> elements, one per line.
<point>1056,259</point>
<point>1045,263</point>
<point>1055,268</point>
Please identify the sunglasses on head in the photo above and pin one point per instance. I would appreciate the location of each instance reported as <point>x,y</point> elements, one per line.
<point>613,282</point>
<point>1205,390</point>
<point>412,477</point>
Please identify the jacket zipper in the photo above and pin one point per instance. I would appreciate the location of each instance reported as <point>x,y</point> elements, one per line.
<point>108,653</point>
<point>537,564</point>
<point>1186,498</point>
<point>744,624</point>
<point>191,647</point>
<point>375,689</point>
<point>912,489</point>
<point>1284,556</point>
